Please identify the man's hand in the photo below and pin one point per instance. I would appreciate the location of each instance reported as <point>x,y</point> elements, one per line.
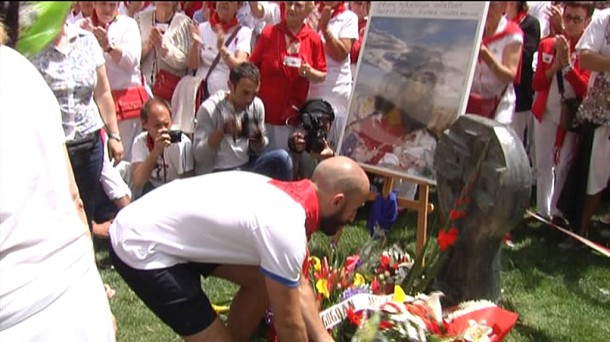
<point>562,48</point>
<point>194,33</point>
<point>156,37</point>
<point>555,19</point>
<point>256,136</point>
<point>220,37</point>
<point>233,126</point>
<point>161,142</point>
<point>327,12</point>
<point>116,150</point>
<point>101,35</point>
<point>298,141</point>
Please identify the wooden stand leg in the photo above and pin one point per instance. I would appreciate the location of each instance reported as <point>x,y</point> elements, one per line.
<point>422,217</point>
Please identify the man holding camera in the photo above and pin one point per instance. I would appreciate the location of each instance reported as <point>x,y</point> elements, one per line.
<point>308,144</point>
<point>230,130</point>
<point>159,155</point>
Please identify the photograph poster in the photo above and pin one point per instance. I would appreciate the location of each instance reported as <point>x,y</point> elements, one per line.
<point>411,83</point>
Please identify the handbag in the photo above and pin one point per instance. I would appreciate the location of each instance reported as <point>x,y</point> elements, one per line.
<point>482,106</point>
<point>79,149</point>
<point>165,84</point>
<point>569,108</point>
<point>128,102</point>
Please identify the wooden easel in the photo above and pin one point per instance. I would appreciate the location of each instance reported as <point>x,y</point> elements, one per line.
<point>420,204</point>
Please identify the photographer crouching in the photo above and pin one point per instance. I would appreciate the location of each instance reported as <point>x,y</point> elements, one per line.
<point>308,144</point>
<point>159,155</point>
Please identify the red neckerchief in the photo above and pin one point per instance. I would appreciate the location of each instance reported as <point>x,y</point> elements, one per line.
<point>304,193</point>
<point>338,9</point>
<point>96,21</point>
<point>215,21</point>
<point>150,143</point>
<point>519,17</point>
<point>294,38</point>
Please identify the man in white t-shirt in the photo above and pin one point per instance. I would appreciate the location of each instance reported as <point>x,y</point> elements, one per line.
<point>159,155</point>
<point>338,27</point>
<point>50,288</point>
<point>242,227</point>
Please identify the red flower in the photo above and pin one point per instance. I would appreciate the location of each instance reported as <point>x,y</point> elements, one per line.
<point>447,239</point>
<point>351,262</point>
<point>354,317</point>
<point>375,285</point>
<point>456,214</point>
<point>385,325</point>
<point>385,261</point>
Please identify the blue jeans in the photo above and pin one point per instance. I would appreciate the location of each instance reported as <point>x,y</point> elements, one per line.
<point>87,169</point>
<point>275,164</point>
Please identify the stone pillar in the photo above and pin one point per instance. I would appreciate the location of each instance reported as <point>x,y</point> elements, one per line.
<point>499,197</point>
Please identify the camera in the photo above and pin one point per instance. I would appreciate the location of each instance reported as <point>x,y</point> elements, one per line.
<point>314,115</point>
<point>175,136</point>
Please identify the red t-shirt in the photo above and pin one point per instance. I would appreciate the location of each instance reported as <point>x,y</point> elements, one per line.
<point>281,86</point>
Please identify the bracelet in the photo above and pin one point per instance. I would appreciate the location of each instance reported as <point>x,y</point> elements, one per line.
<point>567,68</point>
<point>115,137</point>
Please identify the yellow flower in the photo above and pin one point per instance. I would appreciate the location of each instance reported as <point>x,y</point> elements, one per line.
<point>358,279</point>
<point>317,265</point>
<point>399,294</point>
<point>322,287</point>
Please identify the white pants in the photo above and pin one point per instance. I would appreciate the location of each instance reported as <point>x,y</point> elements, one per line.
<point>550,178</point>
<point>599,167</point>
<point>129,129</point>
<point>81,313</point>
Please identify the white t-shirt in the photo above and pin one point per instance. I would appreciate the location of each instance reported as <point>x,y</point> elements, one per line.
<point>44,245</point>
<point>597,37</point>
<point>230,218</point>
<point>488,85</point>
<point>337,86</point>
<point>220,75</point>
<point>176,159</point>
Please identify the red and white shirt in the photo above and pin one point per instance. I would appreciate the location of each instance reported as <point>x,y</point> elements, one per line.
<point>229,218</point>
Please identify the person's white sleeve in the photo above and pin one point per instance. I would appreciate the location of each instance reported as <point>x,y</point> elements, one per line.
<point>139,150</point>
<point>282,253</point>
<point>349,28</point>
<point>131,46</point>
<point>183,158</point>
<point>594,36</point>
<point>244,40</point>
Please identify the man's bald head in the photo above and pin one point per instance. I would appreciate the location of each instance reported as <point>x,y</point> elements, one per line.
<point>340,174</point>
<point>342,187</point>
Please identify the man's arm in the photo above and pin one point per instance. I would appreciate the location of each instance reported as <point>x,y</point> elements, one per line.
<point>206,140</point>
<point>594,61</point>
<point>287,313</point>
<point>315,328</point>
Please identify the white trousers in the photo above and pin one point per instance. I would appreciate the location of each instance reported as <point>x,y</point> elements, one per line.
<point>550,178</point>
<point>129,129</point>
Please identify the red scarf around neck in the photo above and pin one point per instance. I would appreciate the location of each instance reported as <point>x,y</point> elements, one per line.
<point>215,21</point>
<point>283,26</point>
<point>519,17</point>
<point>338,9</point>
<point>304,193</point>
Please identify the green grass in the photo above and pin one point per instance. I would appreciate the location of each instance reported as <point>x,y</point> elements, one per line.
<point>559,295</point>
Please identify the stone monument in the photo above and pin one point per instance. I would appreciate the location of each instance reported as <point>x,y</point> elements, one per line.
<point>498,197</point>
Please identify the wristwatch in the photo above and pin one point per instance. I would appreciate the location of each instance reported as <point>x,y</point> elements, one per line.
<point>567,68</point>
<point>115,137</point>
<point>109,48</point>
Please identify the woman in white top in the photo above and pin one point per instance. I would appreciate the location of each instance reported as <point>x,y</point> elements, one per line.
<point>210,40</point>
<point>165,40</point>
<point>119,37</point>
<point>338,27</point>
<point>498,62</point>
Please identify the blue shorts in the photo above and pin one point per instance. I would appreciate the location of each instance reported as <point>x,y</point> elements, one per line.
<point>173,294</point>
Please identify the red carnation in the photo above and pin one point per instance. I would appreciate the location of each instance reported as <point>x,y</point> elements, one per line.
<point>456,214</point>
<point>447,239</point>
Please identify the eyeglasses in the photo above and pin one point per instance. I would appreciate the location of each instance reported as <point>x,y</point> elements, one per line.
<point>574,18</point>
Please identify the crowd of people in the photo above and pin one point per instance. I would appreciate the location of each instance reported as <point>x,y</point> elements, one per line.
<point>152,95</point>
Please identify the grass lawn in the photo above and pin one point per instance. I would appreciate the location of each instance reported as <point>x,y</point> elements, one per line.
<point>559,295</point>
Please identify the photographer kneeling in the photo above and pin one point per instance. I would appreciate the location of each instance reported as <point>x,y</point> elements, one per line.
<point>308,143</point>
<point>159,155</point>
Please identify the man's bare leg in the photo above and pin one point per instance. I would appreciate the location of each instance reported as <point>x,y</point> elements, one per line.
<point>249,304</point>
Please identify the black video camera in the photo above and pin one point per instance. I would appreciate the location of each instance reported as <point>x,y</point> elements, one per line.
<point>314,115</point>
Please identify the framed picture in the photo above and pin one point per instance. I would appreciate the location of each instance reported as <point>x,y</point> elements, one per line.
<point>412,83</point>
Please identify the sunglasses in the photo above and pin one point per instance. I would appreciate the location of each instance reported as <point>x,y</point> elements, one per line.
<point>574,18</point>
